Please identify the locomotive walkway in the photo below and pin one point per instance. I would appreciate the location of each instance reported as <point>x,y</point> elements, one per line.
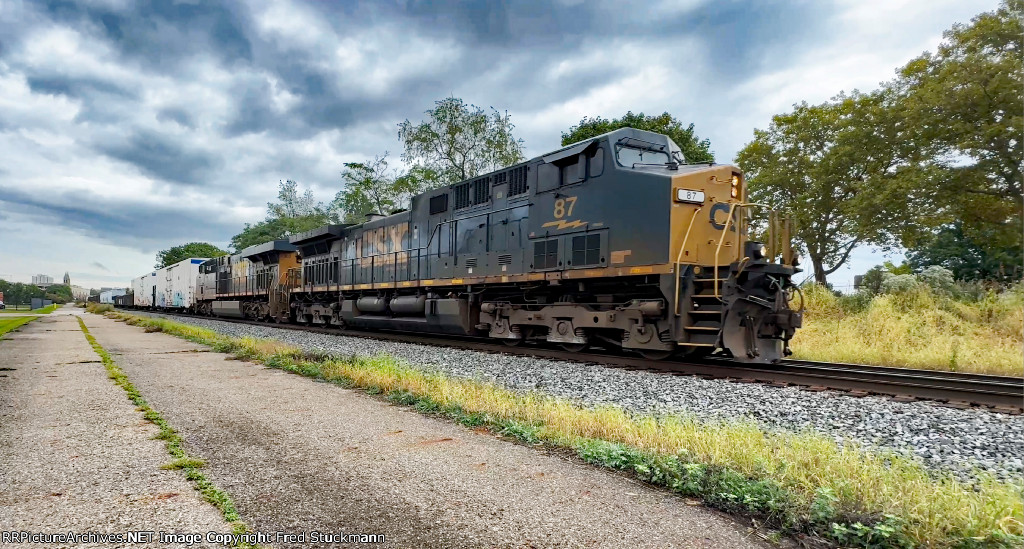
<point>299,456</point>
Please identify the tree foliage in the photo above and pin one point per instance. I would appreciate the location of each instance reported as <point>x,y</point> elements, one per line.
<point>966,105</point>
<point>695,150</point>
<point>840,169</point>
<point>931,161</point>
<point>59,293</point>
<point>370,187</point>
<point>16,293</point>
<point>459,141</point>
<point>182,252</point>
<point>293,213</point>
<point>967,256</point>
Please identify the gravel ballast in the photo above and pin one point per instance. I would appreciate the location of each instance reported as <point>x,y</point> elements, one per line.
<point>942,438</point>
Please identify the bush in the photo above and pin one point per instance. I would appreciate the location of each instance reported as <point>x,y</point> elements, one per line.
<point>899,284</point>
<point>99,308</point>
<point>939,279</point>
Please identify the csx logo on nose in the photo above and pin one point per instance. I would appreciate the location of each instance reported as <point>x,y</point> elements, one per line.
<point>724,208</point>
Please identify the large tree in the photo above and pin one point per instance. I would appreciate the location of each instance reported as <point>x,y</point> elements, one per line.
<point>695,150</point>
<point>370,187</point>
<point>841,171</point>
<point>182,252</point>
<point>458,141</point>
<point>965,103</point>
<point>294,212</point>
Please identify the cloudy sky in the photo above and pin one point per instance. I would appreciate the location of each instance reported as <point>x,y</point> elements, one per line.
<point>130,126</point>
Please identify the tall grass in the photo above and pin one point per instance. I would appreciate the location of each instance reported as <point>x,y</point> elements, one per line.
<point>799,482</point>
<point>98,308</point>
<point>915,329</point>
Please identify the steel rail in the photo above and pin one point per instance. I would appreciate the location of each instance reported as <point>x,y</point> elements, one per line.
<point>958,389</point>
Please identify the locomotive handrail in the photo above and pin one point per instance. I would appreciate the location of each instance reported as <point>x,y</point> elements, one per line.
<point>679,256</point>
<point>725,232</point>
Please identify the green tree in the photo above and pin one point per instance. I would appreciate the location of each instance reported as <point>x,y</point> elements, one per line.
<point>294,212</point>
<point>459,141</point>
<point>16,293</point>
<point>695,150</point>
<point>182,252</point>
<point>967,258</point>
<point>58,293</point>
<point>965,104</point>
<point>841,170</point>
<point>371,188</point>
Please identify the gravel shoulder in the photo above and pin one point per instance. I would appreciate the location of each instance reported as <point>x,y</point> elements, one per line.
<point>75,455</point>
<point>949,439</point>
<point>297,456</point>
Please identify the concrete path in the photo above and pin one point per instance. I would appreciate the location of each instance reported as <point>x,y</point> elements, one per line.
<point>300,456</point>
<point>75,455</point>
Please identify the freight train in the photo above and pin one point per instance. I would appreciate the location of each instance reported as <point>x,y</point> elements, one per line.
<point>614,241</point>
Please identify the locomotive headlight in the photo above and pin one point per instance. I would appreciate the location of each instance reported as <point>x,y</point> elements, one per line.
<point>759,251</point>
<point>735,191</point>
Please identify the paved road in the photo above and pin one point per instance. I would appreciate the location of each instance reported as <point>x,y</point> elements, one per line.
<point>75,455</point>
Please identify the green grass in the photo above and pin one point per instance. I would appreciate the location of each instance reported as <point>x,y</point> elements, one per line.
<point>41,311</point>
<point>10,323</point>
<point>917,329</point>
<point>191,466</point>
<point>795,482</point>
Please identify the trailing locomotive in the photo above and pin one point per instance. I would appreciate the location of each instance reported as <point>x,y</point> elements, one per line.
<point>612,241</point>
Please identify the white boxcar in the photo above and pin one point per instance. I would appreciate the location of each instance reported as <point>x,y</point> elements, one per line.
<point>143,290</point>
<point>162,287</point>
<point>107,296</point>
<point>179,284</point>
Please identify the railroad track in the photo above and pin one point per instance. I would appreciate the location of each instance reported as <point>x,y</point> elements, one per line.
<point>960,390</point>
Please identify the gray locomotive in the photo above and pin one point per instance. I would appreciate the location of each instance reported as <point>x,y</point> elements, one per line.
<point>613,241</point>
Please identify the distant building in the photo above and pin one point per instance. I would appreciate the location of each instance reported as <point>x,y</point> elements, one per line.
<point>67,279</point>
<point>43,281</point>
<point>79,293</point>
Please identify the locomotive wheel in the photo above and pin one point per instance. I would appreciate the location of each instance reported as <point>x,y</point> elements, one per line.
<point>513,342</point>
<point>575,347</point>
<point>657,355</point>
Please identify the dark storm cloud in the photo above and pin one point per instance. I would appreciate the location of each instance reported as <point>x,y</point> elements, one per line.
<point>162,157</point>
<point>496,53</point>
<point>164,32</point>
<point>121,223</point>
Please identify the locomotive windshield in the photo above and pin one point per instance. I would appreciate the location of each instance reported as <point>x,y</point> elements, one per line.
<point>631,152</point>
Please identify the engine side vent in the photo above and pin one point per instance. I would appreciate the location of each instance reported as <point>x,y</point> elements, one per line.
<point>462,196</point>
<point>471,262</point>
<point>505,259</point>
<point>481,190</point>
<point>439,204</point>
<point>516,181</point>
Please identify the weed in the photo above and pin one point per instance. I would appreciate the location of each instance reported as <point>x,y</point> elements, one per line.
<point>182,461</point>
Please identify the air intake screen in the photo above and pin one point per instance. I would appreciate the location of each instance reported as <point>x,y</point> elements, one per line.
<point>517,181</point>
<point>481,190</point>
<point>462,196</point>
